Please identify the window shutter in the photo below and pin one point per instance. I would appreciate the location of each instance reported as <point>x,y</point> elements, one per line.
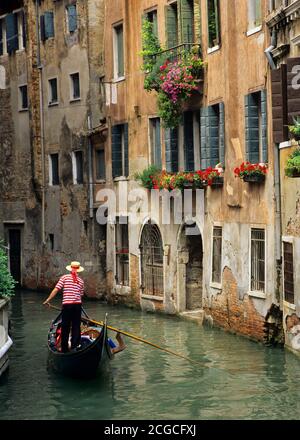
<point>120,48</point>
<point>72,18</point>
<point>213,135</point>
<point>171,139</point>
<point>49,24</point>
<point>171,27</point>
<point>251,129</point>
<point>189,141</point>
<point>126,144</point>
<point>1,37</point>
<point>293,82</point>
<point>116,141</point>
<point>187,21</point>
<point>279,104</point>
<point>264,125</point>
<point>11,22</point>
<point>157,156</point>
<point>203,137</point>
<point>42,28</point>
<point>222,133</point>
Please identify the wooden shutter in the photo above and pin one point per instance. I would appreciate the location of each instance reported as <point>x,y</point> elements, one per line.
<point>126,144</point>
<point>222,133</point>
<point>11,22</point>
<point>187,21</point>
<point>251,129</point>
<point>23,21</point>
<point>189,141</point>
<point>171,139</point>
<point>171,26</point>
<point>42,28</point>
<point>72,18</point>
<point>279,104</point>
<point>157,144</point>
<point>213,135</point>
<point>293,87</point>
<point>116,143</point>
<point>1,38</point>
<point>264,125</point>
<point>203,138</point>
<point>49,24</point>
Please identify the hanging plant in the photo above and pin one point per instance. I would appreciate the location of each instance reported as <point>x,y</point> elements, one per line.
<point>174,80</point>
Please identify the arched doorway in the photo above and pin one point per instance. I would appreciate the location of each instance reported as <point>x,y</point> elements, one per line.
<point>190,268</point>
<point>152,261</point>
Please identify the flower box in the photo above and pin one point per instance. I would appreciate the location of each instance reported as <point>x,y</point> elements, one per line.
<point>254,178</point>
<point>217,182</point>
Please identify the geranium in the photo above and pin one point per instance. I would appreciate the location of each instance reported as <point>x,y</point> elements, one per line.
<point>250,169</point>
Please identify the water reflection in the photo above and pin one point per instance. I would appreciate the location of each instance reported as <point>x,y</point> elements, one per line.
<point>236,378</point>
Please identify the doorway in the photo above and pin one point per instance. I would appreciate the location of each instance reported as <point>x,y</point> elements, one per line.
<point>14,243</point>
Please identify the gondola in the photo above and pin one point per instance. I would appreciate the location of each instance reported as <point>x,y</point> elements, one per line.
<point>86,360</point>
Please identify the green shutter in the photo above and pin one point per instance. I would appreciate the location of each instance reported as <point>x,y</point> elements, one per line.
<point>171,140</point>
<point>213,135</point>
<point>49,24</point>
<point>157,144</point>
<point>189,161</point>
<point>264,125</point>
<point>187,21</point>
<point>126,144</point>
<point>171,26</point>
<point>222,133</point>
<point>23,27</point>
<point>203,137</point>
<point>116,147</point>
<point>42,28</point>
<point>11,22</point>
<point>252,128</point>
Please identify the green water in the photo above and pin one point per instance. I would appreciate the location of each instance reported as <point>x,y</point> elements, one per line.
<point>238,379</point>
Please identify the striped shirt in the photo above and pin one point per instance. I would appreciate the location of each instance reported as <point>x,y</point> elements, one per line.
<point>72,292</point>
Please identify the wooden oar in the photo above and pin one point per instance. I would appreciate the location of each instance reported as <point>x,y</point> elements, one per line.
<point>137,338</point>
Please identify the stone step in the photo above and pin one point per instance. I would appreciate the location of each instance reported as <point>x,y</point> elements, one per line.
<point>193,315</point>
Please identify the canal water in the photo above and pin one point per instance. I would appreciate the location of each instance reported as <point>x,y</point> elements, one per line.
<point>237,379</point>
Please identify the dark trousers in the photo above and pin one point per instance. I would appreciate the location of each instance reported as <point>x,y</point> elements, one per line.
<point>71,314</point>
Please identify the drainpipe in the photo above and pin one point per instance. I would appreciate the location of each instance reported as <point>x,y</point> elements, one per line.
<point>41,95</point>
<point>90,158</point>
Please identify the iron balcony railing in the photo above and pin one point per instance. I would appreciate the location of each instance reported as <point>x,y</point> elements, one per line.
<point>177,52</point>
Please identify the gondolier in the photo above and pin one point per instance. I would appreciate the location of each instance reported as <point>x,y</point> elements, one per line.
<point>73,289</point>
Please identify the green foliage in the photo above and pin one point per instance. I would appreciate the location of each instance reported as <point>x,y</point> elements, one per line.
<point>169,112</point>
<point>7,283</point>
<point>295,129</point>
<point>151,46</point>
<point>293,164</point>
<point>146,177</point>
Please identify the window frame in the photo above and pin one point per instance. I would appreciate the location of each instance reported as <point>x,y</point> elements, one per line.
<point>258,293</point>
<point>75,167</point>
<point>152,127</point>
<point>288,240</point>
<point>100,180</point>
<point>214,47</point>
<point>252,26</point>
<point>214,283</point>
<point>51,180</point>
<point>119,240</point>
<point>72,89</point>
<point>116,63</point>
<point>69,32</point>
<point>50,102</point>
<point>21,97</point>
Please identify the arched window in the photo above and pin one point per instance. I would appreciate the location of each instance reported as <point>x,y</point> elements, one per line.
<point>152,261</point>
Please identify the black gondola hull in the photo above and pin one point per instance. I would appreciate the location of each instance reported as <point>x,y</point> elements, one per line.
<point>84,363</point>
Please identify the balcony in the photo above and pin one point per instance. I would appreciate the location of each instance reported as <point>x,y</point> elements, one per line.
<point>176,53</point>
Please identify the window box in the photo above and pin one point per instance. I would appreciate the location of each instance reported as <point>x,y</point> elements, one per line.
<point>218,182</point>
<point>254,178</point>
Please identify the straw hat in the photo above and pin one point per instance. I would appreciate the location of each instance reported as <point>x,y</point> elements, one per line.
<point>75,265</point>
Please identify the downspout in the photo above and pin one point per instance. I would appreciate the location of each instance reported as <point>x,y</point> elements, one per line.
<point>90,165</point>
<point>41,95</point>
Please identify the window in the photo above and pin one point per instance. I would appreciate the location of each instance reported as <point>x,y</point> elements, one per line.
<point>75,86</point>
<point>288,269</point>
<point>213,21</point>
<point>258,270</point>
<point>47,25</point>
<point>51,242</point>
<point>71,18</point>
<point>172,25</point>
<point>118,49</point>
<point>256,127</point>
<point>155,141</point>
<point>152,17</point>
<point>188,122</point>
<point>122,252</point>
<point>212,146</point>
<point>217,255</point>
<point>254,14</point>
<point>53,98</point>
<point>187,21</point>
<point>77,157</point>
<point>100,164</point>
<point>53,170</point>
<point>119,140</point>
<point>12,37</point>
<point>23,97</point>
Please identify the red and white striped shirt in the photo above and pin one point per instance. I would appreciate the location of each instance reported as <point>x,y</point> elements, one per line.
<point>72,292</point>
